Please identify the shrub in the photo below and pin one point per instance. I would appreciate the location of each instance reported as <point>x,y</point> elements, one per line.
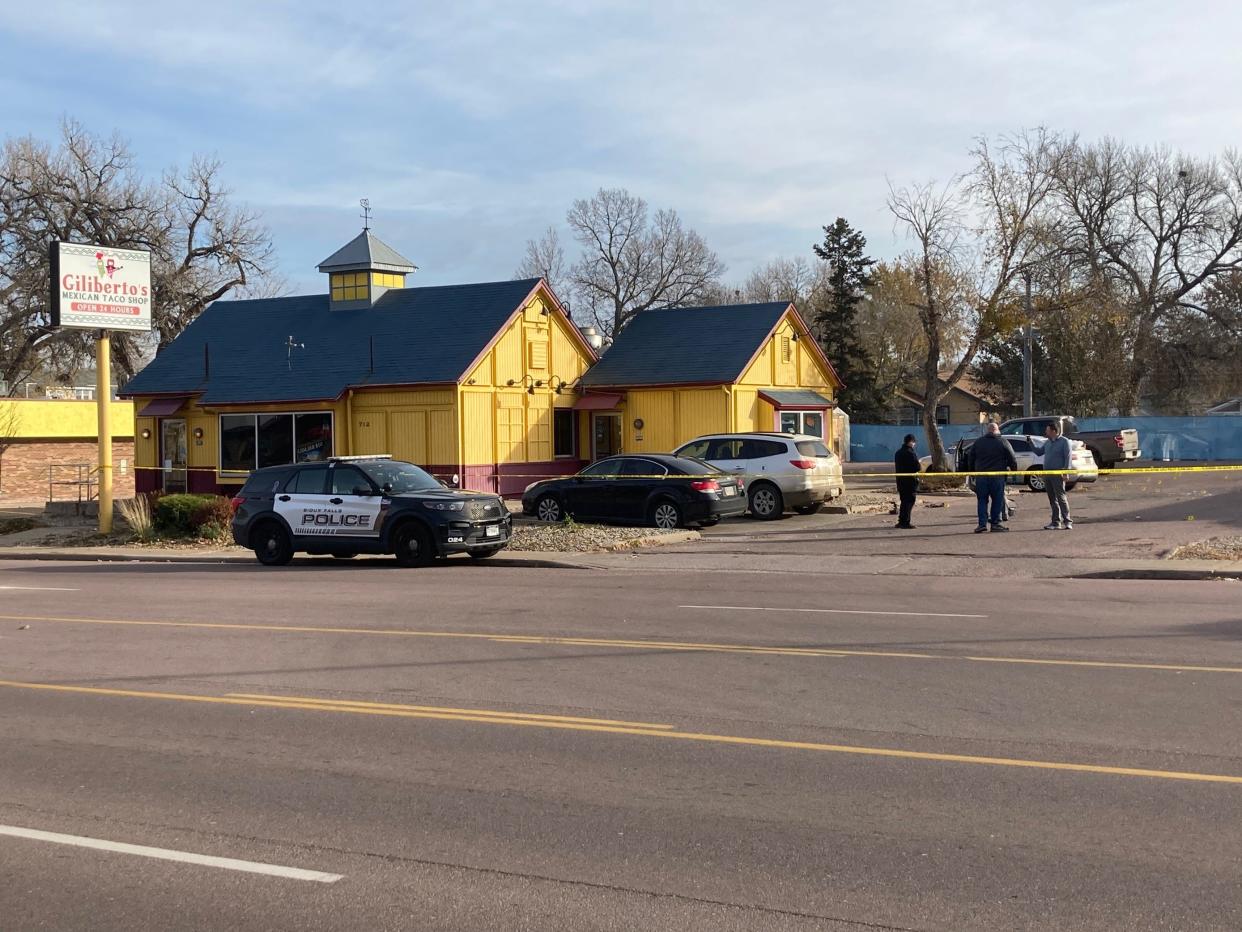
<point>213,517</point>
<point>175,514</point>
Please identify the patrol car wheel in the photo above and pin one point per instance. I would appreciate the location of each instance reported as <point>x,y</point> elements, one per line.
<point>766,502</point>
<point>272,544</point>
<point>549,509</point>
<point>484,554</point>
<point>413,545</point>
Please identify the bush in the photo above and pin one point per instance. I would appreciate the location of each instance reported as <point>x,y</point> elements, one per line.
<point>137,514</point>
<point>213,517</point>
<point>184,515</point>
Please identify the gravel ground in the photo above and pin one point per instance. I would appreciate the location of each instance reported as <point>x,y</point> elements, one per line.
<point>1217,548</point>
<point>576,538</point>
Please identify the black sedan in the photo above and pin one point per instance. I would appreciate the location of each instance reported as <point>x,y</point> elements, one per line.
<point>666,491</point>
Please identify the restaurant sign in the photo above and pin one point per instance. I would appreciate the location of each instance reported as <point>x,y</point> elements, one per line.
<point>100,288</point>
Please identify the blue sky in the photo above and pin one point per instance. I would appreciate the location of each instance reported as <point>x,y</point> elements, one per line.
<point>471,126</point>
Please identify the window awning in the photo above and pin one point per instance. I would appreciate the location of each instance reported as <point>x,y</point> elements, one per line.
<point>796,399</point>
<point>600,402</point>
<point>162,407</point>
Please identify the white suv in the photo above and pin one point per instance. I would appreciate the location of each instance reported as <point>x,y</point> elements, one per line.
<point>783,471</point>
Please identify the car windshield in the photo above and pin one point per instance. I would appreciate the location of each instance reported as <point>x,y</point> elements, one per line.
<point>397,477</point>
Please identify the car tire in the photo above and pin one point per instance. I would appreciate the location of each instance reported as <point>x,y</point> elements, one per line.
<point>549,509</point>
<point>272,544</point>
<point>1036,483</point>
<point>810,509</point>
<point>665,514</point>
<point>766,501</point>
<point>412,545</point>
<point>1069,486</point>
<point>484,554</point>
<point>709,523</point>
<point>1097,456</point>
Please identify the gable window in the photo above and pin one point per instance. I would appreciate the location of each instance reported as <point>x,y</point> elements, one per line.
<point>786,349</point>
<point>253,441</point>
<point>565,433</point>
<point>803,422</point>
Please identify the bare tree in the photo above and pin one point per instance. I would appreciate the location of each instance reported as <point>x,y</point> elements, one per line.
<point>86,189</point>
<point>974,237</point>
<point>632,262</point>
<point>545,258</point>
<point>1154,228</point>
<point>795,280</point>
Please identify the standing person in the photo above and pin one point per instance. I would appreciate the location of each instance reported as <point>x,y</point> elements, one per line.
<point>991,453</point>
<point>1057,455</point>
<point>906,461</point>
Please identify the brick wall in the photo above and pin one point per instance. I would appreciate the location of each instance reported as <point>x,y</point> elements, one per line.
<point>24,467</point>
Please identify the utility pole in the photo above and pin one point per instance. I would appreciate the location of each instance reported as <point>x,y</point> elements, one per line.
<point>1028,347</point>
<point>103,404</point>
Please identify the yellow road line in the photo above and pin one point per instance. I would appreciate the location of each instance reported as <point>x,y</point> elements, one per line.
<point>316,705</point>
<point>629,644</point>
<point>535,716</point>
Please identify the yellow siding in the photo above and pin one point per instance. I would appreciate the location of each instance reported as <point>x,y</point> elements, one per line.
<point>478,423</point>
<point>370,432</point>
<point>654,407</point>
<point>508,357</point>
<point>510,428</point>
<point>144,450</point>
<point>698,412</point>
<point>802,369</point>
<point>204,453</point>
<point>407,436</point>
<point>745,409</point>
<point>62,420</point>
<point>442,439</point>
<point>765,416</point>
<point>404,397</point>
<point>538,429</point>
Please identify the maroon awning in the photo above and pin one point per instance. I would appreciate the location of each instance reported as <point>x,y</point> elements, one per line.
<point>599,402</point>
<point>162,407</point>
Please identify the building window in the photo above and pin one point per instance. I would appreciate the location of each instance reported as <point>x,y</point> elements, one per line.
<point>387,280</point>
<point>786,350</point>
<point>350,286</point>
<point>803,422</point>
<point>253,441</point>
<point>538,354</point>
<point>565,433</point>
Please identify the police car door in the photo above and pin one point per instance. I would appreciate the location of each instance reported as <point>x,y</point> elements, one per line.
<point>355,502</point>
<point>305,495</point>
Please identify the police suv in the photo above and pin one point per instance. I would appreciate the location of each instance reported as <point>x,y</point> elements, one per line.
<point>349,505</point>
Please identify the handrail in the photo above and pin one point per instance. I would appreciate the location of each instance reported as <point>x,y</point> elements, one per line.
<point>84,480</point>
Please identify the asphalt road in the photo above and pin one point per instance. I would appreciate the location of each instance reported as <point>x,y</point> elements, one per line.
<point>490,747</point>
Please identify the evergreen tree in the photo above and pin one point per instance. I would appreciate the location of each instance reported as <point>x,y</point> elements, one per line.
<point>835,319</point>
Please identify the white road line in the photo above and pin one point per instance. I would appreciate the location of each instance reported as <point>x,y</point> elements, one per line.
<point>827,611</point>
<point>40,588</point>
<point>168,854</point>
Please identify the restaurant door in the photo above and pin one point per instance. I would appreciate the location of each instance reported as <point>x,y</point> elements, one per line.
<point>605,435</point>
<point>174,454</point>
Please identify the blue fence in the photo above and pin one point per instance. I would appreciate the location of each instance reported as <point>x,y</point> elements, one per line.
<point>1200,439</point>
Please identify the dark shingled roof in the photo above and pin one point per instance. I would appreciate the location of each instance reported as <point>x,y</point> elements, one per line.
<point>686,345</point>
<point>792,399</point>
<point>421,335</point>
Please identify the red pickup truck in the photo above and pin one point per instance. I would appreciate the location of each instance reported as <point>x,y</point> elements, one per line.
<point>1109,447</point>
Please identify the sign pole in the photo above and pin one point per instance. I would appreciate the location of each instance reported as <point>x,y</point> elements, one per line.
<point>103,399</point>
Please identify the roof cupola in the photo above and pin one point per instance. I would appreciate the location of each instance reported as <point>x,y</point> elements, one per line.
<point>361,271</point>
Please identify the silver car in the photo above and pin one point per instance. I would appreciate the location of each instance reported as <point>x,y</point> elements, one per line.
<point>795,472</point>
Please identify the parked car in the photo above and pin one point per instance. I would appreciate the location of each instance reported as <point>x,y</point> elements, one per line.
<point>364,504</point>
<point>1029,452</point>
<point>658,489</point>
<point>1108,447</point>
<point>782,471</point>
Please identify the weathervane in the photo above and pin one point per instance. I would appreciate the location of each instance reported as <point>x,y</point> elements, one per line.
<point>290,346</point>
<point>366,213</point>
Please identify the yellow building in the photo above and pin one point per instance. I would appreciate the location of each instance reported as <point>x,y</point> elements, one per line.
<point>489,386</point>
<point>679,373</point>
<point>468,381</point>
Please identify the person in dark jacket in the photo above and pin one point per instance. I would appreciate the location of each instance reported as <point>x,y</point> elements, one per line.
<point>991,453</point>
<point>906,461</point>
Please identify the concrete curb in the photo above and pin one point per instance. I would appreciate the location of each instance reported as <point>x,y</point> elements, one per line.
<point>652,540</point>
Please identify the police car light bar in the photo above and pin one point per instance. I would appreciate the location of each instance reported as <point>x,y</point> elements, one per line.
<point>354,459</point>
